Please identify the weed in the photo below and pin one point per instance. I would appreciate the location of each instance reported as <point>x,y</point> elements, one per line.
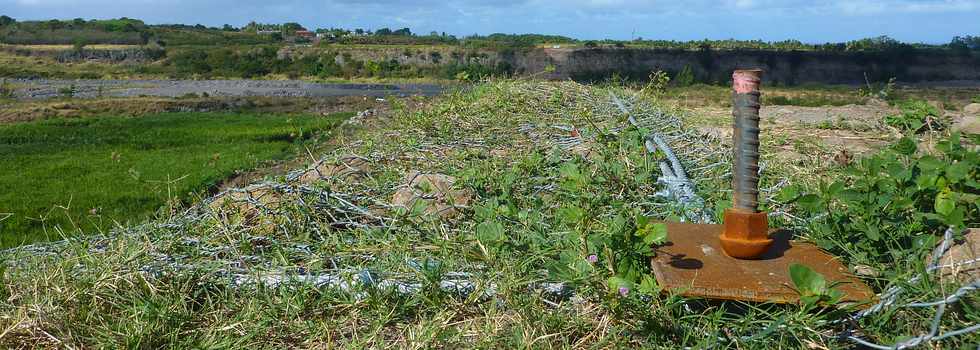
<point>882,91</point>
<point>917,116</point>
<point>68,91</point>
<point>890,206</point>
<point>657,85</point>
<point>685,77</point>
<point>5,90</point>
<point>813,287</point>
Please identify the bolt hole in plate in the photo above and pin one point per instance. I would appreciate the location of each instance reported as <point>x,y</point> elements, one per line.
<point>693,264</point>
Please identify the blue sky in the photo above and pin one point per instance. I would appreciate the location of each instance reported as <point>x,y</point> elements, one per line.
<point>931,21</point>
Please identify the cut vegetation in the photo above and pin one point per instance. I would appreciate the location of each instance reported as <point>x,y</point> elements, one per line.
<point>90,174</point>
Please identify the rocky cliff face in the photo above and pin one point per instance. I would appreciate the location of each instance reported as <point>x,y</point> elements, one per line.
<point>128,55</point>
<point>131,55</point>
<point>784,68</point>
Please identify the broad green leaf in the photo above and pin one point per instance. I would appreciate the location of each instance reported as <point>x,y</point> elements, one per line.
<point>851,196</point>
<point>810,202</point>
<point>615,282</point>
<point>807,281</point>
<point>957,172</point>
<point>648,285</point>
<point>490,232</point>
<point>788,194</point>
<point>906,146</point>
<point>945,203</point>
<point>930,163</point>
<point>835,188</point>
<point>653,233</point>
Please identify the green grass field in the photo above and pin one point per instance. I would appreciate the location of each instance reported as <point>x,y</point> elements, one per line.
<point>89,173</point>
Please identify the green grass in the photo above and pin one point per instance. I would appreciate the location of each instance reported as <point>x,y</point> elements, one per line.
<point>89,172</point>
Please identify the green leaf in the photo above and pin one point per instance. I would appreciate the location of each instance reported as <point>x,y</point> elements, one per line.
<point>807,281</point>
<point>958,172</point>
<point>930,163</point>
<point>615,282</point>
<point>835,188</point>
<point>810,202</point>
<point>851,196</point>
<point>788,194</point>
<point>648,285</point>
<point>490,232</point>
<point>955,218</point>
<point>652,233</point>
<point>945,203</point>
<point>906,146</point>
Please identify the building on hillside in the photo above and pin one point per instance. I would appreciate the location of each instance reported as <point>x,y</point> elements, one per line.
<point>305,34</point>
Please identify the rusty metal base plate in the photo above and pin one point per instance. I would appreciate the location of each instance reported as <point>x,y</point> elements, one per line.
<point>692,263</point>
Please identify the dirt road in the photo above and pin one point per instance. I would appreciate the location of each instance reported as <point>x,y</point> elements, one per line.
<point>44,88</point>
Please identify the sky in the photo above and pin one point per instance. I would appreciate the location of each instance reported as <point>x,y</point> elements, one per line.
<point>928,21</point>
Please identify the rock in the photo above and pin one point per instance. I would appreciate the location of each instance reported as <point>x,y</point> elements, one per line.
<point>436,190</point>
<point>968,124</point>
<point>347,168</point>
<point>972,109</point>
<point>960,253</point>
<point>500,153</point>
<point>877,102</point>
<point>865,271</point>
<point>246,205</point>
<point>844,157</point>
<point>583,149</point>
<point>717,132</point>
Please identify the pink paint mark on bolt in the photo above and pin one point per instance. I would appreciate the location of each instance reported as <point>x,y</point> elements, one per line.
<point>746,80</point>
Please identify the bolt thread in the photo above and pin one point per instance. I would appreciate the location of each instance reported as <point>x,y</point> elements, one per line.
<point>746,138</point>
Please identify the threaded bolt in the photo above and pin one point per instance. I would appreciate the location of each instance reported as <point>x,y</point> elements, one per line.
<point>745,109</point>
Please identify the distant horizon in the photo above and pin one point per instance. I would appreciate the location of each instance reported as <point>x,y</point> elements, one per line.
<point>910,21</point>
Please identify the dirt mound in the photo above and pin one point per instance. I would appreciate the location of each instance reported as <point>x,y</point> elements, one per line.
<point>347,168</point>
<point>435,191</point>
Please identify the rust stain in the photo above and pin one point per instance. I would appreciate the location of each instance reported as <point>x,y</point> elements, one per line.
<point>746,80</point>
<point>745,235</point>
<point>692,264</point>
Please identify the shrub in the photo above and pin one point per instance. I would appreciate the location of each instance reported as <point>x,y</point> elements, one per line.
<point>5,90</point>
<point>68,91</point>
<point>685,77</point>
<point>657,85</point>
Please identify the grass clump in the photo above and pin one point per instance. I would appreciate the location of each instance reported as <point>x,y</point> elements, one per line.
<point>89,173</point>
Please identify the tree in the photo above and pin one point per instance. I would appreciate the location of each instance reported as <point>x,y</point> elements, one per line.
<point>6,21</point>
<point>251,27</point>
<point>291,28</point>
<point>383,32</point>
<point>965,43</point>
<point>228,28</point>
<point>591,44</point>
<point>403,32</point>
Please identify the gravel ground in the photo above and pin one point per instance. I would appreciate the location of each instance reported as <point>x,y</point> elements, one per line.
<point>45,88</point>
